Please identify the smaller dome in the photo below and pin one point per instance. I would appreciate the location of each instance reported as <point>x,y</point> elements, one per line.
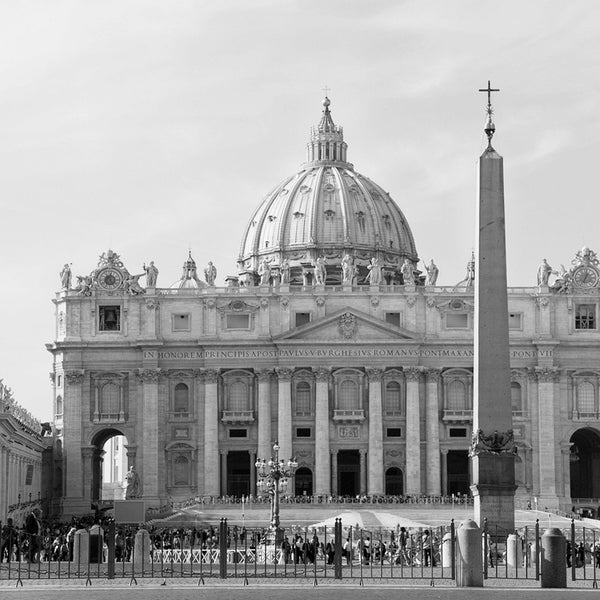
<point>189,277</point>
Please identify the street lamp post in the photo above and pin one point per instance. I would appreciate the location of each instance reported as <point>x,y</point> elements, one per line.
<point>273,479</point>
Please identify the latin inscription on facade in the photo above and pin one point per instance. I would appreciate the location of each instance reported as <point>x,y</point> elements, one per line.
<point>354,352</point>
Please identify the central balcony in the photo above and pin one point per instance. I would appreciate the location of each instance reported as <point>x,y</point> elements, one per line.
<point>237,416</point>
<point>349,416</point>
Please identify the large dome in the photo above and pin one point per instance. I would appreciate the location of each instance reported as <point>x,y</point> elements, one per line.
<point>327,210</point>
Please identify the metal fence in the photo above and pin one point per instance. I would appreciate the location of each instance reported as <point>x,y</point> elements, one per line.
<point>315,554</point>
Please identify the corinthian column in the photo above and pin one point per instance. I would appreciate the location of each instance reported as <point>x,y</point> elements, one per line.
<point>432,433</point>
<point>375,455</point>
<point>284,413</point>
<point>547,440</point>
<point>322,456</point>
<point>211,433</point>
<point>413,432</point>
<point>264,413</point>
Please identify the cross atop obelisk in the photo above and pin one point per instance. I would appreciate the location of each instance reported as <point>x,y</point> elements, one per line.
<point>490,128</point>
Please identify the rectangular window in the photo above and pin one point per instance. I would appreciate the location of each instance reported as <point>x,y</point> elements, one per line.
<point>304,432</point>
<point>585,316</point>
<point>393,318</point>
<point>302,318</point>
<point>515,320</point>
<point>393,432</point>
<point>455,432</point>
<point>238,433</point>
<point>109,318</point>
<point>180,322</point>
<point>457,320</point>
<point>237,321</point>
<point>29,475</point>
<point>59,381</point>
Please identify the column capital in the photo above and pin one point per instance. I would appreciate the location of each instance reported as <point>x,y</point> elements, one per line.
<point>413,373</point>
<point>433,375</point>
<point>263,375</point>
<point>284,373</point>
<point>211,375</point>
<point>322,373</point>
<point>333,451</point>
<point>375,374</point>
<point>198,374</point>
<point>362,452</point>
<point>74,376</point>
<point>149,375</point>
<point>547,374</point>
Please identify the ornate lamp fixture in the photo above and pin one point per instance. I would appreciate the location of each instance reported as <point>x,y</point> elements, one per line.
<point>273,478</point>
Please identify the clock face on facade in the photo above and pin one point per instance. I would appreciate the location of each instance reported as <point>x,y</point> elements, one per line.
<point>585,277</point>
<point>109,279</point>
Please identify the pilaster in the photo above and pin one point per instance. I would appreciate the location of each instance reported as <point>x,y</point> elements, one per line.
<point>73,468</point>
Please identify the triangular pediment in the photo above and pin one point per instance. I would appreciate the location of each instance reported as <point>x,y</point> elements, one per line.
<point>348,325</point>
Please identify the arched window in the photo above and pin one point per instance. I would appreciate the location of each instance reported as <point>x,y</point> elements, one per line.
<point>516,397</point>
<point>59,406</point>
<point>457,396</point>
<point>109,402</point>
<point>238,396</point>
<point>393,398</point>
<point>348,395</point>
<point>181,470</point>
<point>586,403</point>
<point>394,483</point>
<point>181,400</point>
<point>302,403</point>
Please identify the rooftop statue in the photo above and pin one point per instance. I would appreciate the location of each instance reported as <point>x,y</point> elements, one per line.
<point>543,272</point>
<point>264,270</point>
<point>210,273</point>
<point>407,270</point>
<point>432,273</point>
<point>151,274</point>
<point>374,275</point>
<point>320,271</point>
<point>348,270</point>
<point>133,484</point>
<point>65,277</point>
<point>132,285</point>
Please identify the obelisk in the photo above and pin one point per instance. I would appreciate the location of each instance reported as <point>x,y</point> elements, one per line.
<point>492,449</point>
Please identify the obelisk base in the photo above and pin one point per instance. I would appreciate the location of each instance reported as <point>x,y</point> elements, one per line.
<point>494,491</point>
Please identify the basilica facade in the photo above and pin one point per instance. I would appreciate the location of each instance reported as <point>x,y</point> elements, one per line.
<point>329,340</point>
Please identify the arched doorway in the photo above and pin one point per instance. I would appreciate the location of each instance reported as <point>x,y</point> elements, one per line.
<point>585,463</point>
<point>394,482</point>
<point>304,482</point>
<point>109,465</point>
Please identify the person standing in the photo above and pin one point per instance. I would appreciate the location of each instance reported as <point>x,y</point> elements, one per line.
<point>33,528</point>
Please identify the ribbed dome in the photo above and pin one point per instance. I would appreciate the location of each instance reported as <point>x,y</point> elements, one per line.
<point>327,210</point>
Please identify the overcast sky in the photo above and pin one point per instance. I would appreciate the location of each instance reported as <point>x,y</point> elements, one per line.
<point>150,127</point>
